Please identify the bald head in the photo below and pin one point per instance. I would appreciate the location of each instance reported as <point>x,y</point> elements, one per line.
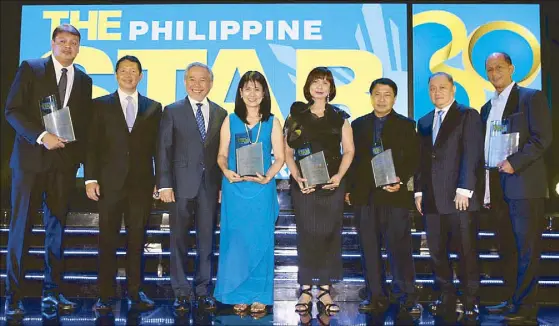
<point>499,69</point>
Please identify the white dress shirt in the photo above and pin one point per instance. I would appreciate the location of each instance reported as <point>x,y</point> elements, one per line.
<point>70,81</point>
<point>205,109</point>
<point>460,191</point>
<point>498,103</point>
<point>124,103</point>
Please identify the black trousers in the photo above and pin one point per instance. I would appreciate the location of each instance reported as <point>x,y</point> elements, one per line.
<point>30,191</point>
<point>374,223</point>
<point>203,208</point>
<point>461,227</point>
<point>519,234</point>
<point>135,206</point>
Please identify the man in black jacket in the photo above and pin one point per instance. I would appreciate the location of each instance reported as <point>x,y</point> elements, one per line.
<point>44,165</point>
<point>385,210</point>
<point>447,193</point>
<point>120,176</point>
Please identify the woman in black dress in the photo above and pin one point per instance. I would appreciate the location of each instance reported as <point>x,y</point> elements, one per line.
<point>310,128</point>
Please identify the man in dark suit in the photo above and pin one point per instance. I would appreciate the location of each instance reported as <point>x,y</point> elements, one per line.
<point>44,165</point>
<point>120,176</point>
<point>383,211</point>
<point>451,162</point>
<point>189,179</point>
<point>516,190</point>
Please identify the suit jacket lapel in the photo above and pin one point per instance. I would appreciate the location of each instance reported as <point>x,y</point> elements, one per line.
<point>428,127</point>
<point>117,107</point>
<point>450,121</point>
<point>78,75</point>
<point>143,111</point>
<point>485,110</point>
<point>213,125</point>
<point>190,117</point>
<point>50,77</point>
<point>512,102</point>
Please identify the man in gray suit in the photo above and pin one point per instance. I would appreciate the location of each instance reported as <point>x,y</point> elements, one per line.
<point>188,178</point>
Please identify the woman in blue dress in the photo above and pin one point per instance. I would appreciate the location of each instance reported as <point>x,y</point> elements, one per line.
<point>249,204</point>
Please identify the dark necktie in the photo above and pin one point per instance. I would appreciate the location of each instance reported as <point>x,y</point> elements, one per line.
<point>200,122</point>
<point>62,86</point>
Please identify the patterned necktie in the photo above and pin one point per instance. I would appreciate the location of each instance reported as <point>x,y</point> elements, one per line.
<point>62,86</point>
<point>200,122</point>
<point>437,126</point>
<point>130,114</point>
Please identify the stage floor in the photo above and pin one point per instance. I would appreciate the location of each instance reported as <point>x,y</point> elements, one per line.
<point>282,314</point>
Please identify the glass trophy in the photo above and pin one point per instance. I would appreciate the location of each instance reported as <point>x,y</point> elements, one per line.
<point>383,169</point>
<point>314,169</point>
<point>250,156</point>
<point>502,144</point>
<point>57,121</point>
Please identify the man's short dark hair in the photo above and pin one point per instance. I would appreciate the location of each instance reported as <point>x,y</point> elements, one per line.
<point>66,28</point>
<point>129,58</point>
<point>440,73</point>
<point>384,81</point>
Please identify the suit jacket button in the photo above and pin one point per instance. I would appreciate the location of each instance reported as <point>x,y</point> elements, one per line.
<point>433,155</point>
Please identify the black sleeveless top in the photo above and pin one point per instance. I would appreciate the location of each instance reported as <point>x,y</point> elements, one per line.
<point>303,127</point>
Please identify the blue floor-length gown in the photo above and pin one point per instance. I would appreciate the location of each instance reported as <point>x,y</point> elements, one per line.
<point>249,211</point>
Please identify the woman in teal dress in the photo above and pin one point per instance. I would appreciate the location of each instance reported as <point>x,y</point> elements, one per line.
<point>249,204</point>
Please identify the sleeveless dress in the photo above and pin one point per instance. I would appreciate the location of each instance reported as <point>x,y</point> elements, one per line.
<point>249,212</point>
<point>318,215</point>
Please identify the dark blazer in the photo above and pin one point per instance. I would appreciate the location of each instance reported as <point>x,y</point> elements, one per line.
<point>528,113</point>
<point>115,154</point>
<point>399,135</point>
<point>454,161</point>
<point>182,158</point>
<point>36,79</point>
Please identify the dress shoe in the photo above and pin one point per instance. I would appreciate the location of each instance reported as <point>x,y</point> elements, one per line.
<point>141,302</point>
<point>445,305</point>
<point>504,307</point>
<point>376,306</point>
<point>206,303</point>
<point>522,315</point>
<point>102,306</point>
<point>470,316</point>
<point>413,309</point>
<point>14,308</point>
<point>52,301</point>
<point>181,305</point>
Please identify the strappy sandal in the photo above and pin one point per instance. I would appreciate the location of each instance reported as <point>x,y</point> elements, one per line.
<point>302,308</point>
<point>330,308</point>
<point>257,307</point>
<point>305,319</point>
<point>241,307</point>
<point>323,319</point>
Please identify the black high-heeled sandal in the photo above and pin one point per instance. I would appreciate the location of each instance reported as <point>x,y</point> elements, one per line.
<point>302,308</point>
<point>330,308</point>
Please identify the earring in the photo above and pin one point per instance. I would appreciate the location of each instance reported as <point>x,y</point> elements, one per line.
<point>327,98</point>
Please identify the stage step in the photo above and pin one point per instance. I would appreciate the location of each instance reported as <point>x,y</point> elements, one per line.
<point>81,250</point>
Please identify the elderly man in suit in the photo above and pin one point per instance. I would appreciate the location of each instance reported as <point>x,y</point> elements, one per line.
<point>188,178</point>
<point>384,211</point>
<point>451,162</point>
<point>119,175</point>
<point>515,191</point>
<point>44,165</point>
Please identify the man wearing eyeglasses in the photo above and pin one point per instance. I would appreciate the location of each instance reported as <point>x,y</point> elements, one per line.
<point>44,165</point>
